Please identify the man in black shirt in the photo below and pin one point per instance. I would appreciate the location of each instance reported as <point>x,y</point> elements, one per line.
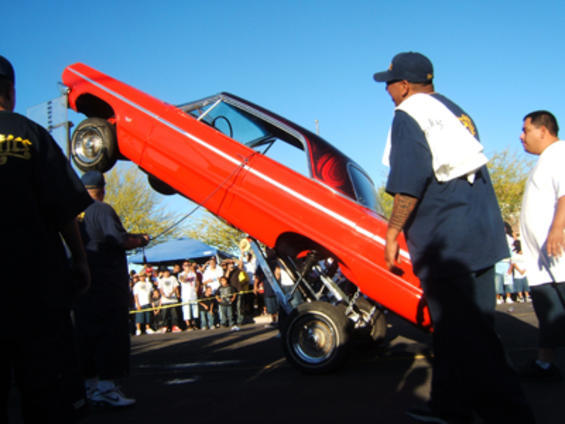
<point>41,197</point>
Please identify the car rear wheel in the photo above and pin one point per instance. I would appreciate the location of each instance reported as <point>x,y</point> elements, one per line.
<point>94,146</point>
<point>315,337</point>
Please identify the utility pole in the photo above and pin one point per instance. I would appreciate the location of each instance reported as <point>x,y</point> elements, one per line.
<point>317,123</point>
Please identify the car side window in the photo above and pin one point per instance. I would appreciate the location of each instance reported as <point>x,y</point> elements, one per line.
<point>287,154</point>
<point>363,187</point>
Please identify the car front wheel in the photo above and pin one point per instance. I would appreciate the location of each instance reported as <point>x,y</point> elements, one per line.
<point>315,337</point>
<point>94,146</point>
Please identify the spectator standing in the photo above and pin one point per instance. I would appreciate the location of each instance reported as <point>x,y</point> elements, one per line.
<point>148,269</point>
<point>41,197</point>
<point>519,273</point>
<point>445,204</point>
<point>269,298</point>
<point>157,317</point>
<point>176,271</point>
<point>249,265</point>
<point>259,293</point>
<point>142,290</point>
<point>509,286</point>
<point>237,278</point>
<point>102,315</point>
<point>225,297</point>
<point>207,309</point>
<point>542,225</point>
<point>188,289</point>
<point>501,270</point>
<point>169,288</point>
<point>212,274</point>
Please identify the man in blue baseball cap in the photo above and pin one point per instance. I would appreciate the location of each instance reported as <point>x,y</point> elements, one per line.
<point>41,196</point>
<point>93,180</point>
<point>445,204</point>
<point>409,66</point>
<point>102,315</point>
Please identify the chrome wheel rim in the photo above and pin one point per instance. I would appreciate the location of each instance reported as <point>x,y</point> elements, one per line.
<point>313,339</point>
<point>88,145</point>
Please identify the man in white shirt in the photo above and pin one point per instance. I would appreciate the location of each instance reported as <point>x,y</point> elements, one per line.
<point>212,274</point>
<point>188,291</point>
<point>169,288</point>
<point>543,238</point>
<point>142,293</point>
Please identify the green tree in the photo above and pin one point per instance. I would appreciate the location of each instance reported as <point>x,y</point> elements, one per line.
<point>137,205</point>
<point>385,201</point>
<point>216,232</point>
<point>509,174</point>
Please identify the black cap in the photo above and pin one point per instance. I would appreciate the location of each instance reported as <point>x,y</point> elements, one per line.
<point>93,179</point>
<point>409,66</point>
<point>7,70</point>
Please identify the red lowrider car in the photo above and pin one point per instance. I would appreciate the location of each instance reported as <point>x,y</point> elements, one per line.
<point>224,153</point>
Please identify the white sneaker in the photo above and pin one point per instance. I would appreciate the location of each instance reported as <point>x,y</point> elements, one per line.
<point>138,332</point>
<point>235,328</point>
<point>508,300</point>
<point>112,397</point>
<point>149,331</point>
<point>90,388</point>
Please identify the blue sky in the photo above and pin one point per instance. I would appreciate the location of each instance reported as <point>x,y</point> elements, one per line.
<point>306,60</point>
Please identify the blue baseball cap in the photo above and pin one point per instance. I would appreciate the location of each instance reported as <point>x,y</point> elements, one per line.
<point>409,66</point>
<point>7,70</point>
<point>93,179</point>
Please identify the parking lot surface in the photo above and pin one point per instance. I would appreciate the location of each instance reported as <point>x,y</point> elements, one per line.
<point>219,376</point>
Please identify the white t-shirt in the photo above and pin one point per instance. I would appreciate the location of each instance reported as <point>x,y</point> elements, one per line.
<point>545,185</point>
<point>167,287</point>
<point>285,279</point>
<point>142,290</point>
<point>520,262</point>
<point>211,277</point>
<point>250,267</point>
<point>188,282</point>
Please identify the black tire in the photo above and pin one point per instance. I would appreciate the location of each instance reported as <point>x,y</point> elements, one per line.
<point>315,337</point>
<point>94,145</point>
<point>160,186</point>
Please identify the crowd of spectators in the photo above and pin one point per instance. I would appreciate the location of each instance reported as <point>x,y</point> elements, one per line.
<point>196,295</point>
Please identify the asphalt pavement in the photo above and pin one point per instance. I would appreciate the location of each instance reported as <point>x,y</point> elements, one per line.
<point>220,376</point>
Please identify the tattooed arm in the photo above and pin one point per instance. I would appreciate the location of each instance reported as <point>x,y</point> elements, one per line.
<point>401,211</point>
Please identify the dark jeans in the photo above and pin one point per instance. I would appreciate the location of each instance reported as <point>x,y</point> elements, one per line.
<point>226,314</point>
<point>549,305</point>
<point>104,339</point>
<point>206,319</point>
<point>240,304</point>
<point>170,316</point>
<point>470,370</point>
<point>143,317</point>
